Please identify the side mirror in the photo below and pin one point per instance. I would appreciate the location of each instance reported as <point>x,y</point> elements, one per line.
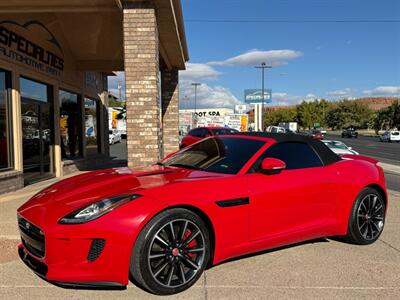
<point>272,166</point>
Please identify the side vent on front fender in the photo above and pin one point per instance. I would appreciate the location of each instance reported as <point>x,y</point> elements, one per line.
<point>233,202</point>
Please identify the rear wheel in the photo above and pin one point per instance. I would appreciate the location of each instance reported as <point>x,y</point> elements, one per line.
<point>367,218</point>
<point>171,252</point>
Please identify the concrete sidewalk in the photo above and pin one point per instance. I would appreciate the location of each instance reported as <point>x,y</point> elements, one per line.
<point>323,269</point>
<point>390,168</point>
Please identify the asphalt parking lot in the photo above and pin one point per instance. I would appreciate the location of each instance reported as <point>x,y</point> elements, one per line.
<point>320,269</point>
<point>371,146</point>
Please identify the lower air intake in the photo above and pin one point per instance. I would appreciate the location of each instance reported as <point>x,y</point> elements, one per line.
<point>95,249</point>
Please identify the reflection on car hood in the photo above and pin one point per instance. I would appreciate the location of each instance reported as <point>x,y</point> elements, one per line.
<point>89,187</point>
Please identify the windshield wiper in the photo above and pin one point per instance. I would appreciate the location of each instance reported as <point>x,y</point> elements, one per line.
<point>186,166</point>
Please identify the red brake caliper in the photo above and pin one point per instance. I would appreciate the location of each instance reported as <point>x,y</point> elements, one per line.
<point>192,244</point>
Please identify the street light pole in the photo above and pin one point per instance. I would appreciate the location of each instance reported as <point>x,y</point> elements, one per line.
<point>195,84</point>
<point>263,66</point>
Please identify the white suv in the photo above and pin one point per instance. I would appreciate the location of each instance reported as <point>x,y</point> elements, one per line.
<point>390,136</point>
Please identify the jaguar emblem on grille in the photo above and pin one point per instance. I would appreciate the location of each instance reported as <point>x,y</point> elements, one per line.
<point>27,226</point>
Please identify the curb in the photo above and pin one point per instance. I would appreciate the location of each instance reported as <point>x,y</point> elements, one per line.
<point>390,168</point>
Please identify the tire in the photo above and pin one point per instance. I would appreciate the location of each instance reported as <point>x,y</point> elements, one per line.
<point>367,218</point>
<point>177,261</point>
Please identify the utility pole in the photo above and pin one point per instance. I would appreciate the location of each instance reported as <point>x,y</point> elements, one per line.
<point>195,84</point>
<point>185,100</point>
<point>120,90</point>
<point>263,66</point>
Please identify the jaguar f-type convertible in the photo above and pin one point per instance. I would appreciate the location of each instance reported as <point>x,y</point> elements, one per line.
<point>219,198</point>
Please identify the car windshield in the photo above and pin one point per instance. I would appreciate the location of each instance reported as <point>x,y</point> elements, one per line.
<point>221,155</point>
<point>336,144</point>
<point>222,131</point>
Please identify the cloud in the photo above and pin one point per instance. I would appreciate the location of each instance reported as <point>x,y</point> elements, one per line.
<point>254,57</point>
<point>282,98</point>
<point>344,93</point>
<point>114,81</point>
<point>310,95</point>
<point>384,90</point>
<point>207,96</point>
<point>196,71</point>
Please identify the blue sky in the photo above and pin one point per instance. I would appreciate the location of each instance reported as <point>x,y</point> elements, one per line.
<point>311,60</point>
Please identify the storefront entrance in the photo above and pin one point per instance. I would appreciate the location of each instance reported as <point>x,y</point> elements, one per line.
<point>37,131</point>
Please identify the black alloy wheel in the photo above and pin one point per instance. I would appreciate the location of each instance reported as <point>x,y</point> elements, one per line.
<point>171,252</point>
<point>367,217</point>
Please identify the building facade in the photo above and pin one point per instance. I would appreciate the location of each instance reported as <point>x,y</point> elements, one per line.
<point>55,56</point>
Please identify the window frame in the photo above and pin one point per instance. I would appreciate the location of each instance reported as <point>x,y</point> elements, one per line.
<point>8,121</point>
<point>255,167</point>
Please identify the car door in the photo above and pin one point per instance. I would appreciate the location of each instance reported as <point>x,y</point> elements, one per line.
<point>298,199</point>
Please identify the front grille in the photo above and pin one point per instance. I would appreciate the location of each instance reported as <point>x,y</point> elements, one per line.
<point>32,237</point>
<point>96,248</point>
<point>37,266</point>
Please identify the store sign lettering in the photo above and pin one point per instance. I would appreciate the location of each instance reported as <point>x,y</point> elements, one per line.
<point>209,113</point>
<point>18,48</point>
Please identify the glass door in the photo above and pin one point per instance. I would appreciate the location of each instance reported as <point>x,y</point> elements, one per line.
<point>37,132</point>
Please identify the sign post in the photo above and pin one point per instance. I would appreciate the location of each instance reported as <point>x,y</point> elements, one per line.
<point>258,99</point>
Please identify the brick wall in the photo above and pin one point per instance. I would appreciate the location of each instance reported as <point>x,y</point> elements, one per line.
<point>11,181</point>
<point>141,56</point>
<point>170,110</point>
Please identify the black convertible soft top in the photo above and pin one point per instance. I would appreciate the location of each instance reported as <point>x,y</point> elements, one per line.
<point>326,155</point>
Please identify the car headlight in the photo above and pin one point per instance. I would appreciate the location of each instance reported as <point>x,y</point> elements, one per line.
<point>97,209</point>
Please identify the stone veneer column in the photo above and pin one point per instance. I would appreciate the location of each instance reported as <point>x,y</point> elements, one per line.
<point>141,58</point>
<point>170,110</point>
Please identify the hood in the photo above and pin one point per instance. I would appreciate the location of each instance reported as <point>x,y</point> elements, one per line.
<point>84,189</point>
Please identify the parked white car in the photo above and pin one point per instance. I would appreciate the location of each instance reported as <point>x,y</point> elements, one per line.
<point>339,147</point>
<point>390,136</point>
<point>114,136</point>
<point>275,129</point>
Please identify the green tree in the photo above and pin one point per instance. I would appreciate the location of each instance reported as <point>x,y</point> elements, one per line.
<point>116,103</point>
<point>280,115</point>
<point>309,113</point>
<point>347,113</point>
<point>387,118</point>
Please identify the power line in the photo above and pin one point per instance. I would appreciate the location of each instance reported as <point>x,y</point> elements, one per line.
<point>289,21</point>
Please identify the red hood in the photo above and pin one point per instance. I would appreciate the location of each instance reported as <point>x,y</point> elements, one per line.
<point>89,187</point>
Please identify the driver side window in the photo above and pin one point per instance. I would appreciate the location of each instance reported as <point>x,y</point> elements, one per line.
<point>295,155</point>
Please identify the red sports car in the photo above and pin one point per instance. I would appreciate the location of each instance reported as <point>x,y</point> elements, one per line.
<point>220,198</point>
<point>197,134</point>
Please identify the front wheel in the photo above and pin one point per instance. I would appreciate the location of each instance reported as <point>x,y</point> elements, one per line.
<point>171,252</point>
<point>367,218</point>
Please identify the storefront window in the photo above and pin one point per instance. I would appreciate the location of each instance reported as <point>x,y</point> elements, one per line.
<point>91,126</point>
<point>5,161</point>
<point>70,129</point>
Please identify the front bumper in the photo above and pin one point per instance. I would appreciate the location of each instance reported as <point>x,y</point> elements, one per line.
<point>79,256</point>
<point>41,270</point>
